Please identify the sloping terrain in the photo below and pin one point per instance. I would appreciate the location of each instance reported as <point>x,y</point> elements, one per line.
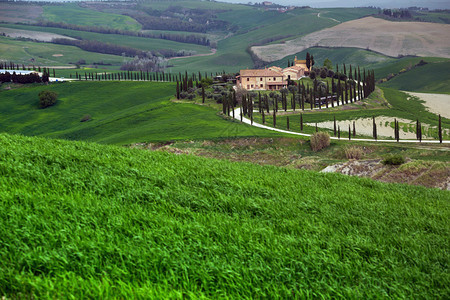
<point>82,220</point>
<point>386,37</point>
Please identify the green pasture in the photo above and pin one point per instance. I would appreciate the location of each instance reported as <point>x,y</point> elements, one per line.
<point>21,52</point>
<point>81,220</point>
<point>72,13</point>
<point>346,14</point>
<point>121,112</point>
<point>435,17</point>
<point>349,56</point>
<point>430,78</point>
<point>141,43</point>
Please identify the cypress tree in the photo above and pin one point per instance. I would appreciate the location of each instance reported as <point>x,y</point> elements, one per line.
<point>178,90</point>
<point>354,129</point>
<point>374,129</point>
<point>349,133</point>
<point>440,130</point>
<point>263,118</point>
<point>274,119</point>
<point>317,128</point>
<point>287,123</point>
<point>339,132</point>
<point>203,94</point>
<point>240,112</point>
<point>398,131</point>
<point>334,125</point>
<point>301,122</point>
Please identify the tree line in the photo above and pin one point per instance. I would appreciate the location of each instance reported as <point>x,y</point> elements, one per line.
<point>114,49</point>
<point>189,39</point>
<point>8,77</point>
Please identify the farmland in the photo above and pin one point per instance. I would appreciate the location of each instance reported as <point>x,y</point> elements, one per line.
<point>386,37</point>
<point>121,112</point>
<point>106,221</point>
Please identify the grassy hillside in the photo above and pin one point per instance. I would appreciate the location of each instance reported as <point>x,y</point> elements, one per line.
<point>141,43</point>
<point>90,221</point>
<point>71,13</point>
<point>430,78</point>
<point>46,54</point>
<point>349,56</point>
<point>122,113</point>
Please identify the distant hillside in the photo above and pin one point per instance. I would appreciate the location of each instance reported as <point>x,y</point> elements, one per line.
<point>90,221</point>
<point>386,37</point>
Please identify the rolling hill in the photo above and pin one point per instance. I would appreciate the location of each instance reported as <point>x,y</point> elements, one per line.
<point>90,221</point>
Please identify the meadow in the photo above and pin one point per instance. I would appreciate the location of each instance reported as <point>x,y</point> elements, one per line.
<point>106,221</point>
<point>72,13</point>
<point>47,54</point>
<point>121,113</point>
<point>146,44</point>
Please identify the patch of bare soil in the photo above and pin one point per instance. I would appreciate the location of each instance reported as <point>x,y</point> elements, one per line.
<point>429,174</point>
<point>34,35</point>
<point>19,12</point>
<point>436,103</point>
<point>386,37</point>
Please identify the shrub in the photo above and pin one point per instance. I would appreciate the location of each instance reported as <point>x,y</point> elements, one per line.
<point>393,159</point>
<point>47,98</point>
<point>86,118</point>
<point>353,152</point>
<point>319,141</point>
<point>312,75</point>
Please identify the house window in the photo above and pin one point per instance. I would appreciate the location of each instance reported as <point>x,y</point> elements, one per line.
<point>252,85</point>
<point>248,79</point>
<point>248,87</point>
<point>261,85</point>
<point>274,79</point>
<point>260,79</point>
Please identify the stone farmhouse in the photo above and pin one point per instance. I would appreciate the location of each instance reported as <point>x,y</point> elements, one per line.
<point>272,78</point>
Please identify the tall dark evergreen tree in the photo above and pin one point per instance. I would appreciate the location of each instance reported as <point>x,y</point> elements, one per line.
<point>334,125</point>
<point>301,122</point>
<point>287,122</point>
<point>440,130</point>
<point>374,128</point>
<point>308,61</point>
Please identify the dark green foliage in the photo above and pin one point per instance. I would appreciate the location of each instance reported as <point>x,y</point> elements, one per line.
<point>393,159</point>
<point>47,98</point>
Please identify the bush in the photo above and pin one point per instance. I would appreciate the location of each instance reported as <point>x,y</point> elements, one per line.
<point>353,152</point>
<point>319,141</point>
<point>47,98</point>
<point>394,160</point>
<point>86,118</point>
<point>312,75</point>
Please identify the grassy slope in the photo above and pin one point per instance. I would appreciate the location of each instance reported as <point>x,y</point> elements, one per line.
<point>122,113</point>
<point>431,78</point>
<point>130,41</point>
<point>231,55</point>
<point>91,221</point>
<point>22,51</point>
<point>73,14</point>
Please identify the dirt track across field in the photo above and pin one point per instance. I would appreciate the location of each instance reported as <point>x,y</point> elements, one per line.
<point>390,38</point>
<point>435,103</point>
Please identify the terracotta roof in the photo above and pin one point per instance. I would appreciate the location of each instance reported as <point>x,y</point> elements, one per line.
<point>260,73</point>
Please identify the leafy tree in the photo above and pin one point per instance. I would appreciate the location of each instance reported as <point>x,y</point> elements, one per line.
<point>327,64</point>
<point>47,98</point>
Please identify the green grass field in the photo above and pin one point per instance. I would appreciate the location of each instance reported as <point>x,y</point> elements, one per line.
<point>90,221</point>
<point>21,52</point>
<point>141,43</point>
<point>71,13</point>
<point>122,113</point>
<point>430,78</point>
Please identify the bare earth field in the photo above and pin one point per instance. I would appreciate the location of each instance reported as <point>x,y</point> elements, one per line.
<point>386,37</point>
<point>35,35</point>
<point>25,13</point>
<point>436,103</point>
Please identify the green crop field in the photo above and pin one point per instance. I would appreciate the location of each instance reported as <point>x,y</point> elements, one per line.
<point>47,54</point>
<point>73,14</point>
<point>121,112</point>
<point>345,14</point>
<point>430,78</point>
<point>141,43</point>
<point>82,220</point>
<point>349,56</point>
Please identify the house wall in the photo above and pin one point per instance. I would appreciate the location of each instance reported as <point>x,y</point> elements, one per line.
<point>258,82</point>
